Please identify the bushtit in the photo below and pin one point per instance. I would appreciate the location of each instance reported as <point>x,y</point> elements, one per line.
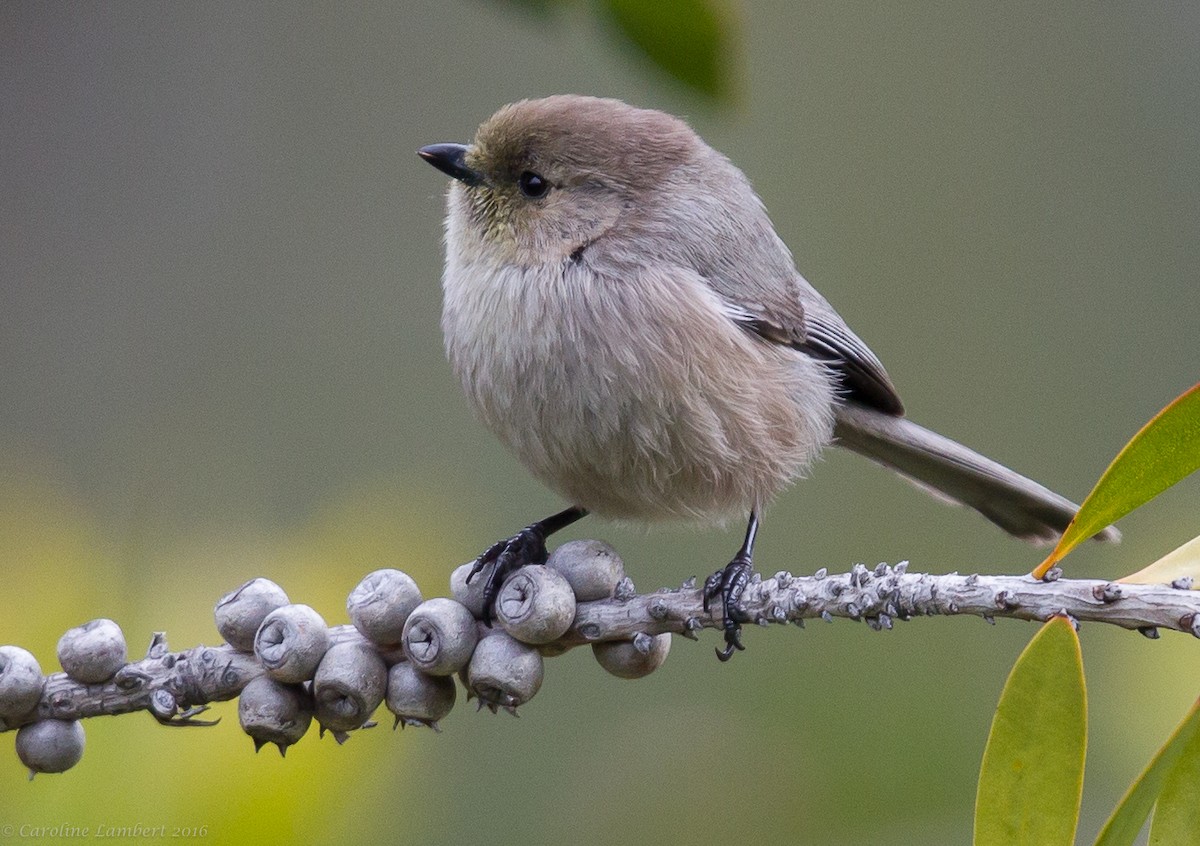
<point>623,317</point>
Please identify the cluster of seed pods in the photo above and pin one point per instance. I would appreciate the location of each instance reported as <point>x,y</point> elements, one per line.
<point>404,651</point>
<point>91,653</point>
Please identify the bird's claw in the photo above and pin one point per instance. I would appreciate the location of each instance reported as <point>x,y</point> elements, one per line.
<point>527,546</point>
<point>729,583</point>
<point>733,640</point>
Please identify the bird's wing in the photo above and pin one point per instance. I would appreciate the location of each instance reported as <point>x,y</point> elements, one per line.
<point>863,378</point>
<point>764,293</point>
<point>820,332</point>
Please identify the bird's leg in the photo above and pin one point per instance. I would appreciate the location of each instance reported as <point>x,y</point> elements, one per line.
<point>527,546</point>
<point>729,583</point>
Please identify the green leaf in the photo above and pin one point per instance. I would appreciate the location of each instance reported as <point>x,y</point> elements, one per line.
<point>1126,821</point>
<point>689,39</point>
<point>1031,781</point>
<point>1166,450</point>
<point>1177,812</point>
<point>1181,563</point>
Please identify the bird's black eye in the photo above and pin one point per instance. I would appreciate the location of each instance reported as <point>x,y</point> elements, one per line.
<point>532,185</point>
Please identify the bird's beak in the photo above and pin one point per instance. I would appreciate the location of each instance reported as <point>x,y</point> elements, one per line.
<point>450,159</point>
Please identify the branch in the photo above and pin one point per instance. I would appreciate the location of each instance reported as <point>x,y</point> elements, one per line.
<point>175,687</point>
<point>886,594</point>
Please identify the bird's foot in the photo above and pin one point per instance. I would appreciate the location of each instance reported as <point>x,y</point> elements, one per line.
<point>527,546</point>
<point>729,583</point>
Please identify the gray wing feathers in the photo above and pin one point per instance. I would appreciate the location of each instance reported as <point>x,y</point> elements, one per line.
<point>862,376</point>
<point>1016,504</point>
<point>759,281</point>
<point>764,294</point>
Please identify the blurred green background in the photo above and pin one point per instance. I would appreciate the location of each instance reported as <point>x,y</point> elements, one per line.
<point>220,358</point>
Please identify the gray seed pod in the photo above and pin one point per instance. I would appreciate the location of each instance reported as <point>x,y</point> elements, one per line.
<point>349,685</point>
<point>272,712</point>
<point>470,595</point>
<point>625,660</point>
<point>592,568</point>
<point>505,673</point>
<point>482,632</point>
<point>290,643</point>
<point>239,614</point>
<point>440,636</point>
<point>417,698</point>
<point>50,746</point>
<point>380,605</point>
<point>21,682</point>
<point>536,605</point>
<point>91,653</point>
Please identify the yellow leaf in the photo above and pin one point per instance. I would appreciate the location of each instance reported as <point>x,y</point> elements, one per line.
<point>1181,563</point>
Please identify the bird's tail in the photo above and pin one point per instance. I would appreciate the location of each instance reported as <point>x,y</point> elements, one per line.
<point>950,471</point>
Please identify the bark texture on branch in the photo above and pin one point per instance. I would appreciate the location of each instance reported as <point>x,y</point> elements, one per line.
<point>175,686</point>
<point>886,594</point>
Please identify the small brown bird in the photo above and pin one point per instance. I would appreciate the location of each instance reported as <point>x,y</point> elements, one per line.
<point>623,317</point>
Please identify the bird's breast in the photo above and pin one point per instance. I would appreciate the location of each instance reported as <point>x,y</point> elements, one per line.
<point>632,393</point>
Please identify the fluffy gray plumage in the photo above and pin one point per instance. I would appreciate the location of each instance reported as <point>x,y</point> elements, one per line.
<point>640,338</point>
